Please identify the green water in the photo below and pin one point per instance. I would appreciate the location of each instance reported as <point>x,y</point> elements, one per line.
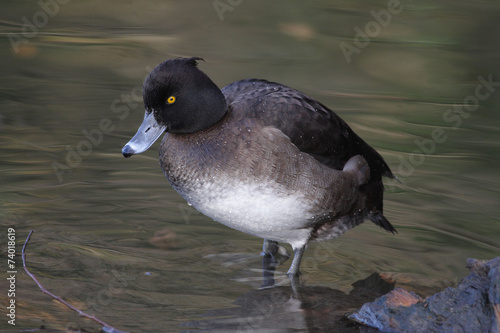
<point>419,82</point>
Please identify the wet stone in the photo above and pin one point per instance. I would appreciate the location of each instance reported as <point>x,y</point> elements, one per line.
<point>473,306</point>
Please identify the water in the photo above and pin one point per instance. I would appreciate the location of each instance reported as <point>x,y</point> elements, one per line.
<point>115,240</point>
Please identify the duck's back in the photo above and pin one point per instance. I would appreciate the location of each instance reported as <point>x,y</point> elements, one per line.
<point>313,128</point>
<point>310,125</point>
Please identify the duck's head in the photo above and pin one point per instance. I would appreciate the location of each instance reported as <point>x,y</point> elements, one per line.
<point>178,98</point>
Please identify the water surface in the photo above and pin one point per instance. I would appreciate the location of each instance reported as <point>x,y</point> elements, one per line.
<point>115,240</point>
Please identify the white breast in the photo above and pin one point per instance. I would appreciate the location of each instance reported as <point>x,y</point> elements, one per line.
<point>263,210</point>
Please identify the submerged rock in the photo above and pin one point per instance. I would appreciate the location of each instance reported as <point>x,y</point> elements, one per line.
<point>473,306</point>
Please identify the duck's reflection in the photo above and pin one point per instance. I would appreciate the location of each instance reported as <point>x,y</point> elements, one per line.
<point>283,308</point>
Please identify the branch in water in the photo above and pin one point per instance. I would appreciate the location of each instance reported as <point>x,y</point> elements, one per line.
<point>106,328</point>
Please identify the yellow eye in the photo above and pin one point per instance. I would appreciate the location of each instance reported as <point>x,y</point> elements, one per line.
<point>171,100</point>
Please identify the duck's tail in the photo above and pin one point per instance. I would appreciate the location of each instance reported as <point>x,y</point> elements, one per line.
<point>380,220</point>
<point>358,166</point>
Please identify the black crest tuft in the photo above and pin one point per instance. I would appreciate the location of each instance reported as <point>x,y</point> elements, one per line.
<point>193,61</point>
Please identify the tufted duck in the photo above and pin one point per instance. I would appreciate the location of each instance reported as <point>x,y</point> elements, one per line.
<point>260,157</point>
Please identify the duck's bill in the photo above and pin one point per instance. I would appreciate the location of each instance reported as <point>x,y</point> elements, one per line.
<point>146,135</point>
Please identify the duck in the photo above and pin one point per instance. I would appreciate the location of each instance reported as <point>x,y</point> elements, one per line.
<point>260,157</point>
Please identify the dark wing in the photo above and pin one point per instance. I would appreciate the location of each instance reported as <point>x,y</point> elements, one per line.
<point>310,125</point>
<point>314,129</point>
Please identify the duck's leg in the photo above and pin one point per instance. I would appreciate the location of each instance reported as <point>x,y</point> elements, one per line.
<point>268,268</point>
<point>273,255</point>
<point>275,250</point>
<point>293,272</point>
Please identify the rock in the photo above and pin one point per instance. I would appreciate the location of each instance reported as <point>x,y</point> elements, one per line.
<point>473,306</point>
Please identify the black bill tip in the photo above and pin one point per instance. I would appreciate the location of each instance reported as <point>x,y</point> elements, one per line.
<point>127,151</point>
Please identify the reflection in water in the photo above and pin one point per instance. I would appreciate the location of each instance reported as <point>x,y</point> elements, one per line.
<point>319,308</point>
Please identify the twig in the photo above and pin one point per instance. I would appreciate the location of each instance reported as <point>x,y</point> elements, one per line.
<point>106,327</point>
